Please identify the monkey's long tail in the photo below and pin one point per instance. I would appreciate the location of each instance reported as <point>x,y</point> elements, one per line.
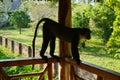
<point>35,35</point>
<point>34,38</point>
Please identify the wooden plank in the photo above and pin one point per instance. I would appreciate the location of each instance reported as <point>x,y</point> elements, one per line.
<point>4,74</point>
<point>42,76</point>
<point>78,78</point>
<point>0,76</point>
<point>72,73</point>
<point>50,71</point>
<point>65,50</point>
<point>99,78</point>
<point>23,75</point>
<point>25,61</point>
<point>100,71</point>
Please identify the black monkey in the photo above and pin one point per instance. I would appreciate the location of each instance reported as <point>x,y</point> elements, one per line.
<point>52,29</point>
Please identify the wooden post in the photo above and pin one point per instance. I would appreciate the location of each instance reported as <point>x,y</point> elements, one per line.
<point>50,72</point>
<point>0,40</point>
<point>4,74</point>
<point>29,51</point>
<point>6,42</point>
<point>99,78</point>
<point>72,73</point>
<point>12,46</point>
<point>65,19</point>
<point>20,48</point>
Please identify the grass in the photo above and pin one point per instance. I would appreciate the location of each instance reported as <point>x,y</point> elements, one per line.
<point>97,55</point>
<point>103,60</point>
<point>14,34</point>
<point>95,51</point>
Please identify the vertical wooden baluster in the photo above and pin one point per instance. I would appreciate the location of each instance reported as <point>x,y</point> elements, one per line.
<point>99,78</point>
<point>4,74</point>
<point>50,71</point>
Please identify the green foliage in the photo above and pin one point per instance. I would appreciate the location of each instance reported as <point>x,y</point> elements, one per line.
<point>80,17</point>
<point>20,19</point>
<point>114,42</point>
<point>39,10</point>
<point>6,53</point>
<point>6,6</point>
<point>103,17</point>
<point>22,70</point>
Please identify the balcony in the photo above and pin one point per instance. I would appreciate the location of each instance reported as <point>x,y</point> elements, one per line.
<point>102,73</point>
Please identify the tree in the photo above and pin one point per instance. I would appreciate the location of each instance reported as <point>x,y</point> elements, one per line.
<point>5,6</point>
<point>114,42</point>
<point>103,17</point>
<point>20,19</point>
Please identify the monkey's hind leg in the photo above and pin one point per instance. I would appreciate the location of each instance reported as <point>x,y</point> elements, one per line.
<point>44,47</point>
<point>52,47</point>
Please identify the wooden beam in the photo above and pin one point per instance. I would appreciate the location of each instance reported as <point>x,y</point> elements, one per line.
<point>65,50</point>
<point>72,73</point>
<point>78,78</point>
<point>4,74</point>
<point>100,78</point>
<point>25,61</point>
<point>101,72</point>
<point>65,19</point>
<point>42,76</point>
<point>50,71</point>
<point>24,75</point>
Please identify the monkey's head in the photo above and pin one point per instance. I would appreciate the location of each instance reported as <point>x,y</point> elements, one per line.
<point>85,33</point>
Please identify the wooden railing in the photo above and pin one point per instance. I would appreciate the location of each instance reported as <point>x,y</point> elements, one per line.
<point>101,73</point>
<point>25,61</point>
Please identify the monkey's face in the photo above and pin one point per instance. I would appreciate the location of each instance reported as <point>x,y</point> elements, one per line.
<point>85,36</point>
<point>86,33</point>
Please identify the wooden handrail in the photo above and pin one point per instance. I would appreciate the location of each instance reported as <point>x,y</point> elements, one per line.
<point>25,61</point>
<point>24,75</point>
<point>100,71</point>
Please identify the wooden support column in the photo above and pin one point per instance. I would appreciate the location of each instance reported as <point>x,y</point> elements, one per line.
<point>65,19</point>
<point>4,74</point>
<point>50,71</point>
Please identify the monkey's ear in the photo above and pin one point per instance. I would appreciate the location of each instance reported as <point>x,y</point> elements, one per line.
<point>83,31</point>
<point>86,30</point>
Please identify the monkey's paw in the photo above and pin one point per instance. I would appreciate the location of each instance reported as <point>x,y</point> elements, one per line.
<point>45,58</point>
<point>54,56</point>
<point>78,61</point>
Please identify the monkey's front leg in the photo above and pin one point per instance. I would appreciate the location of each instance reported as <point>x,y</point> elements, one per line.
<point>43,57</point>
<point>75,53</point>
